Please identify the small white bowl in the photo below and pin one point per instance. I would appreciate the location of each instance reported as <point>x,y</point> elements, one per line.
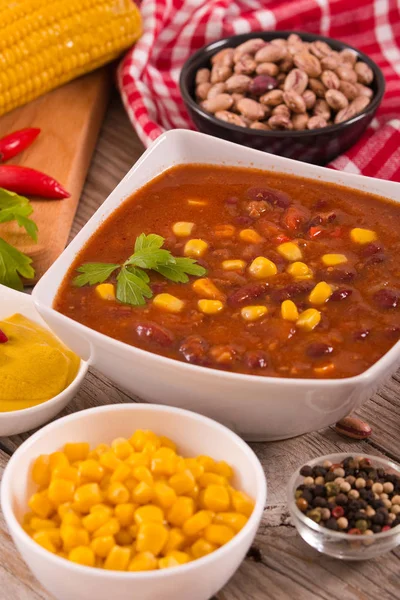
<point>194,435</point>
<point>18,421</point>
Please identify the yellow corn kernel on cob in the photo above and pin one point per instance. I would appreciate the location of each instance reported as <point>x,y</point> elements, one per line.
<point>44,45</point>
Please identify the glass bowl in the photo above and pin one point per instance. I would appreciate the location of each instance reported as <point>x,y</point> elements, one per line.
<point>334,543</point>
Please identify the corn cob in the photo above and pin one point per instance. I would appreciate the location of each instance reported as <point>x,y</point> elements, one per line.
<point>45,43</point>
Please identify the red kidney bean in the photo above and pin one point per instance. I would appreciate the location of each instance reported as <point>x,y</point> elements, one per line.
<point>386,298</point>
<point>296,217</point>
<point>262,84</point>
<point>158,287</point>
<point>317,220</point>
<point>274,197</point>
<point>321,204</point>
<point>246,293</point>
<point>392,332</point>
<point>194,348</point>
<point>318,349</point>
<point>232,200</point>
<point>339,274</point>
<point>256,359</point>
<point>361,335</point>
<point>243,221</point>
<point>375,259</point>
<point>155,333</point>
<point>340,294</point>
<point>292,290</point>
<point>371,249</point>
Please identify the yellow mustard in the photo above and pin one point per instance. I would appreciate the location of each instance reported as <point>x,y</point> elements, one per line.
<point>34,365</point>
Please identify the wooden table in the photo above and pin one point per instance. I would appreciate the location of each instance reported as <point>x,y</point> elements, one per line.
<point>280,566</point>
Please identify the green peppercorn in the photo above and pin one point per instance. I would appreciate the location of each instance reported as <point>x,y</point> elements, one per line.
<point>298,494</point>
<point>315,515</point>
<point>361,524</point>
<point>332,488</point>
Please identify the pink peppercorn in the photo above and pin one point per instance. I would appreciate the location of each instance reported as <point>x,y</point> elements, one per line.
<point>338,512</point>
<point>386,528</point>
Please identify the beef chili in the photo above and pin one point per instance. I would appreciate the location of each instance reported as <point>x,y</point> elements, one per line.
<point>302,277</point>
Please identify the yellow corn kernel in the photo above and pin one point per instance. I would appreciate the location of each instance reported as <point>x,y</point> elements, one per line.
<point>73,537</point>
<point>76,451</point>
<point>82,555</point>
<point>182,509</point>
<point>42,538</point>
<point>124,512</point>
<point>164,462</point>
<point>210,307</point>
<point>208,463</point>
<point>58,459</point>
<point>121,473</point>
<point>182,483</point>
<point>87,496</point>
<point>234,520</point>
<point>233,265</point>
<point>95,520</point>
<point>175,540</point>
<point>130,483</point>
<point>54,536</point>
<point>205,288</point>
<point>105,291</point>
<point>218,534</point>
<point>142,473</point>
<point>40,504</point>
<point>102,508</point>
<point>202,547</point>
<point>308,319</point>
<point>222,468</point>
<point>216,498</point>
<point>69,473</point>
<point>141,436</point>
<point>290,251</point>
<point>102,546</point>
<point>38,524</point>
<point>262,267</point>
<point>195,248</point>
<point>299,270</point>
<point>167,443</point>
<point>133,530</point>
<point>72,519</point>
<point>253,313</point>
<point>182,228</point>
<point>121,448</point>
<point>321,293</point>
<point>289,311</point>
<point>330,260</point>
<point>173,559</point>
<point>164,495</point>
<point>168,303</point>
<point>143,561</point>
<point>250,236</point>
<point>197,523</point>
<point>118,493</point>
<point>194,467</point>
<point>192,202</point>
<point>109,461</point>
<point>105,482</point>
<point>143,493</point>
<point>111,527</point>
<point>151,537</point>
<point>91,470</point>
<point>146,514</point>
<point>41,470</point>
<point>211,478</point>
<point>98,451</point>
<point>362,236</point>
<point>124,537</point>
<point>325,369</point>
<point>117,559</point>
<point>224,231</point>
<point>242,503</point>
<point>138,459</point>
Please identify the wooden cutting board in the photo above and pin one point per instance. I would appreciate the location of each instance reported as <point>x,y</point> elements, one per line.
<point>70,118</point>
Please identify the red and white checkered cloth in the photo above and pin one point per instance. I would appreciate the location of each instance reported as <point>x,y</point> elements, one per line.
<point>173,29</point>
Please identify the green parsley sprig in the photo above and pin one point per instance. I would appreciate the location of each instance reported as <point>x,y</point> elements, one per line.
<point>13,263</point>
<point>132,279</point>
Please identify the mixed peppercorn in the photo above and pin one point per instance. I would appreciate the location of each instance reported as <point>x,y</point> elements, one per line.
<point>353,496</point>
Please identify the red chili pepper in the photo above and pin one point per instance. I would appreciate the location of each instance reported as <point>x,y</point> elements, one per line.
<point>30,182</point>
<point>3,337</point>
<point>314,232</point>
<point>282,238</point>
<point>16,142</point>
<point>337,232</point>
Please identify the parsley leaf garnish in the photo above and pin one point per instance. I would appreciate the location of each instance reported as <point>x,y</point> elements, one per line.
<point>13,263</point>
<point>132,279</point>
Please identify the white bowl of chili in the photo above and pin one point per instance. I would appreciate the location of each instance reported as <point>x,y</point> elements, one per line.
<point>257,407</point>
<point>20,420</point>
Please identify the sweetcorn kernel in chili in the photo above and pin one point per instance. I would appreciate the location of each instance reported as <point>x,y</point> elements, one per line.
<point>149,508</point>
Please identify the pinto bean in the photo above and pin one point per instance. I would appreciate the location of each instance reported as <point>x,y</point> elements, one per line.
<point>270,53</point>
<point>294,101</point>
<point>249,47</point>
<point>154,333</point>
<point>245,65</point>
<point>272,98</point>
<point>220,102</point>
<point>250,109</point>
<point>223,57</point>
<point>203,76</point>
<point>216,89</point>
<point>267,68</point>
<point>309,98</point>
<point>364,73</point>
<point>220,73</point>
<point>194,348</point>
<point>202,90</point>
<point>238,83</point>
<point>296,80</point>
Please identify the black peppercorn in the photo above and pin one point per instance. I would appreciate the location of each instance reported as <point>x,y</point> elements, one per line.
<point>307,495</point>
<point>376,528</point>
<point>319,501</point>
<point>378,519</point>
<point>319,490</point>
<point>332,524</point>
<point>341,499</point>
<point>306,471</point>
<point>377,504</point>
<point>330,476</point>
<point>318,471</point>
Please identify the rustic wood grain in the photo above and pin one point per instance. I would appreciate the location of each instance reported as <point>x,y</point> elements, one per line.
<point>70,118</point>
<point>280,566</point>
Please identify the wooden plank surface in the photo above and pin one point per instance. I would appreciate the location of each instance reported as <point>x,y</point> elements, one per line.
<point>280,566</point>
<point>70,118</point>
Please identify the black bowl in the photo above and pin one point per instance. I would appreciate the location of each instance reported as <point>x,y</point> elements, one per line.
<point>317,146</point>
